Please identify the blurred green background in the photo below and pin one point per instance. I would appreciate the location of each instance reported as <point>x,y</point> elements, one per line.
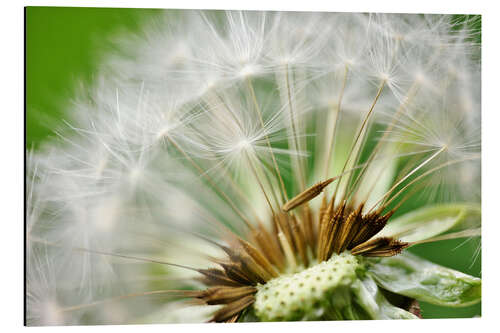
<point>64,46</point>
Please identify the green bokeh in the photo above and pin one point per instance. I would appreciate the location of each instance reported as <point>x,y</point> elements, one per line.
<point>64,47</point>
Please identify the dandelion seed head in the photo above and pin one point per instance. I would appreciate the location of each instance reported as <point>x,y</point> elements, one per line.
<point>219,153</point>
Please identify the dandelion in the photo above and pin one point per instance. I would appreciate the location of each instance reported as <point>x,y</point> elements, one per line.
<point>253,166</point>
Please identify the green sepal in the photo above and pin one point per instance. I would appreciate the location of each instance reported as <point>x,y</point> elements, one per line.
<point>374,303</point>
<point>411,276</point>
<point>428,222</point>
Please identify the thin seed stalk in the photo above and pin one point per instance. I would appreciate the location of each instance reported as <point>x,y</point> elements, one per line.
<point>355,146</point>
<point>428,172</point>
<point>211,182</point>
<point>268,142</point>
<point>298,161</point>
<point>334,123</point>
<point>410,94</point>
<point>421,165</point>
<point>254,171</point>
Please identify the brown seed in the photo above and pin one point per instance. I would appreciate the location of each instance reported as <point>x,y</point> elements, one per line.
<point>232,309</point>
<point>307,195</point>
<point>380,247</point>
<point>224,295</point>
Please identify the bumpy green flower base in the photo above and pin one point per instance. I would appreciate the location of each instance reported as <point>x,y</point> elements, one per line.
<point>337,289</point>
<point>317,292</point>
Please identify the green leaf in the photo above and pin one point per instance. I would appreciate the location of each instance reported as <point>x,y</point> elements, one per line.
<point>368,296</point>
<point>411,276</point>
<point>431,221</point>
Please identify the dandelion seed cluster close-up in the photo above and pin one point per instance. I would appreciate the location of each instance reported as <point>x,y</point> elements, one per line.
<point>236,166</point>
